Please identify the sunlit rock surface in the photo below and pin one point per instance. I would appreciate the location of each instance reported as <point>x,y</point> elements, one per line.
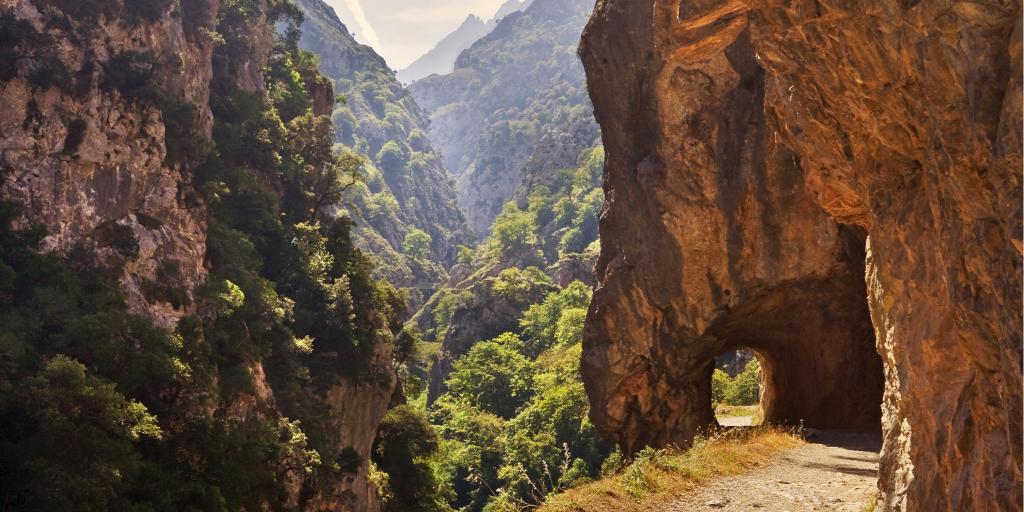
<point>758,155</point>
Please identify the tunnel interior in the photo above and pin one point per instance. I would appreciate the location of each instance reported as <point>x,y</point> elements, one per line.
<point>816,347</point>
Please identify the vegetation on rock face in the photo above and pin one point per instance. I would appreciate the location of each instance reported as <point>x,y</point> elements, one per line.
<point>513,423</point>
<point>406,192</point>
<point>102,410</point>
<point>512,413</point>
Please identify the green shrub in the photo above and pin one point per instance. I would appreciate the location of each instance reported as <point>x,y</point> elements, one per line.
<point>519,285</point>
<point>720,381</point>
<point>513,231</point>
<point>613,463</point>
<point>417,245</point>
<point>570,326</point>
<point>78,450</point>
<point>493,376</point>
<point>540,322</point>
<point>745,387</point>
<point>404,443</point>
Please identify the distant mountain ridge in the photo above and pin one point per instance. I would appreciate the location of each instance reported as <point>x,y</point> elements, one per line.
<point>441,59</point>
<point>407,189</point>
<point>507,91</point>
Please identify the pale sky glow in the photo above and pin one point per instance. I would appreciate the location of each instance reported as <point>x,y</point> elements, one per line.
<point>402,30</point>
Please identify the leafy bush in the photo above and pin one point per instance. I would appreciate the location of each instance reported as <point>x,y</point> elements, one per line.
<point>493,376</point>
<point>513,231</point>
<point>745,387</point>
<point>720,382</point>
<point>540,322</point>
<point>404,441</point>
<point>570,326</point>
<point>79,449</point>
<point>518,285</point>
<point>391,158</point>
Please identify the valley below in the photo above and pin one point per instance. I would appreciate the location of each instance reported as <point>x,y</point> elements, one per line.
<point>623,255</point>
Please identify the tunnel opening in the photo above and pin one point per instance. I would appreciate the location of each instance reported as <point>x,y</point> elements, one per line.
<point>814,344</point>
<point>736,388</point>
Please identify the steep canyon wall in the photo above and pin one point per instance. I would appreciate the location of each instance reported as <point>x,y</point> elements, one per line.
<point>785,175</point>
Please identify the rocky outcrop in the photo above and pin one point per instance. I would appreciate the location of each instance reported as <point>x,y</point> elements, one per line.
<point>89,162</point>
<point>484,316</point>
<point>106,120</point>
<point>558,149</point>
<point>441,58</point>
<point>759,154</point>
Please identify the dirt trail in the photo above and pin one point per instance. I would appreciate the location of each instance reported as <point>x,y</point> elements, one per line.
<point>833,472</point>
<point>736,421</point>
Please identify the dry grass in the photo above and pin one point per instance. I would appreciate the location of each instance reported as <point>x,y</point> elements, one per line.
<point>735,411</point>
<point>657,476</point>
<point>871,505</point>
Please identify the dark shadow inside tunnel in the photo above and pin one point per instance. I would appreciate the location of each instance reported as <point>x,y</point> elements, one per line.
<point>816,347</point>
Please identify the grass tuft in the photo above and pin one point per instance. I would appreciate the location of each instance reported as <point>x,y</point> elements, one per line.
<point>656,476</point>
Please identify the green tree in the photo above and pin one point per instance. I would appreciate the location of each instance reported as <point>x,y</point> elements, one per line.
<point>570,326</point>
<point>79,451</point>
<point>540,321</point>
<point>392,158</point>
<point>513,231</point>
<point>493,376</point>
<point>745,387</point>
<point>417,245</point>
<point>323,177</point>
<point>719,383</point>
<point>405,442</point>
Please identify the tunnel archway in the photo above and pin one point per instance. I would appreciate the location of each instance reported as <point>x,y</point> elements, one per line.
<point>816,346</point>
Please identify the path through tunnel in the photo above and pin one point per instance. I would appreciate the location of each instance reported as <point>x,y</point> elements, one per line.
<point>816,347</point>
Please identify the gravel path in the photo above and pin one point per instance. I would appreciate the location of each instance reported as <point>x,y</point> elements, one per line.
<point>833,472</point>
<point>736,421</point>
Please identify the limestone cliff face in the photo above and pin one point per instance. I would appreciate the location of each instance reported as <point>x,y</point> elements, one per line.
<point>106,116</point>
<point>758,154</point>
<point>89,162</point>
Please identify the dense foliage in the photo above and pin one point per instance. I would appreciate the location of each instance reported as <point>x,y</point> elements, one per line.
<point>102,410</point>
<point>406,194</point>
<point>514,423</point>
<point>743,389</point>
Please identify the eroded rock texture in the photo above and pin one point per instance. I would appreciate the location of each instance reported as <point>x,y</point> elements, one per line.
<point>102,159</point>
<point>89,163</point>
<point>758,154</point>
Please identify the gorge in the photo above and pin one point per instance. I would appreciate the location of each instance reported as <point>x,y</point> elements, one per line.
<point>243,266</point>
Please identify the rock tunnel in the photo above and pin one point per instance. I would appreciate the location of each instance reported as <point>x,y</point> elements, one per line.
<point>773,166</point>
<point>816,346</point>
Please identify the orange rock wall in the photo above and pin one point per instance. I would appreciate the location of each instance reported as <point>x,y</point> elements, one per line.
<point>773,167</point>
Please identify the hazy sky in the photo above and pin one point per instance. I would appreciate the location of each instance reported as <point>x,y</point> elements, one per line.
<point>402,30</point>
